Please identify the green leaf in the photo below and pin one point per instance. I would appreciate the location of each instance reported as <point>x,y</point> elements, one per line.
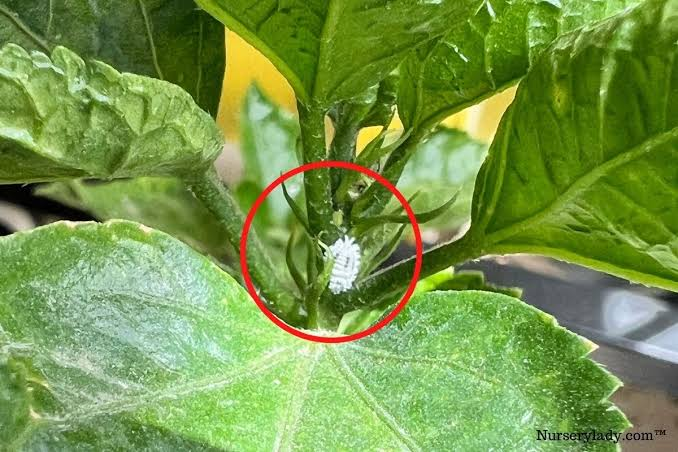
<point>397,218</point>
<point>490,50</point>
<point>333,50</point>
<point>166,39</point>
<point>449,279</point>
<point>111,334</point>
<point>374,243</point>
<point>445,164</point>
<point>297,211</point>
<point>372,260</point>
<point>583,166</point>
<point>64,118</point>
<point>125,317</point>
<point>375,107</point>
<point>383,109</point>
<point>297,276</point>
<point>359,320</point>
<point>160,203</point>
<point>445,280</point>
<point>268,144</point>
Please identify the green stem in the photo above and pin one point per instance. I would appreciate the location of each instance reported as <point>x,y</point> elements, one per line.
<point>391,282</point>
<point>315,317</point>
<point>210,190</point>
<point>312,308</point>
<point>316,182</point>
<point>343,148</point>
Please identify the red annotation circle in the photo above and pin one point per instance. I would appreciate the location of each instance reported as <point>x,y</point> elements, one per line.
<point>248,279</point>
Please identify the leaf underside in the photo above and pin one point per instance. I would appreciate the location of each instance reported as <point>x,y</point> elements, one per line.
<point>63,118</point>
<point>268,143</point>
<point>583,165</point>
<point>334,50</point>
<point>492,48</point>
<point>116,336</point>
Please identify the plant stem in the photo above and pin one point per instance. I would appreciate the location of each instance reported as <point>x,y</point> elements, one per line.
<point>312,308</point>
<point>343,148</point>
<point>210,190</point>
<point>316,182</point>
<point>391,282</point>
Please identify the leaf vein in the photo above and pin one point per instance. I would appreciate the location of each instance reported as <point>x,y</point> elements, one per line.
<point>329,27</point>
<point>371,402</point>
<point>582,183</point>
<point>151,41</point>
<point>14,18</point>
<point>201,37</point>
<point>290,424</point>
<point>50,18</point>
<point>176,392</point>
<point>640,208</point>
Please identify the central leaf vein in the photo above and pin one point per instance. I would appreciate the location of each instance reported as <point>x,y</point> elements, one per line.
<point>302,377</point>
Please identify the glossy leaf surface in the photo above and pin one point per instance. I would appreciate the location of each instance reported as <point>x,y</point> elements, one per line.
<point>166,39</point>
<point>63,118</point>
<point>583,167</point>
<point>492,48</point>
<point>332,50</point>
<point>118,337</point>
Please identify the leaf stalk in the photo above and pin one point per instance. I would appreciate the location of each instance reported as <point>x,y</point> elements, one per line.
<point>216,197</point>
<point>390,283</point>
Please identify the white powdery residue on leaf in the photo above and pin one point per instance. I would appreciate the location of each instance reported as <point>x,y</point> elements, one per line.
<point>346,254</point>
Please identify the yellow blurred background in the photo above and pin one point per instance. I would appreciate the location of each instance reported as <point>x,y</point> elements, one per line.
<point>245,65</point>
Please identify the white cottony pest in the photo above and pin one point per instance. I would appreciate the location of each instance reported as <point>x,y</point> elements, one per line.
<point>346,255</point>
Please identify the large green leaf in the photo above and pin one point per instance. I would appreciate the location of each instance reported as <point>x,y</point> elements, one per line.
<point>583,167</point>
<point>167,39</point>
<point>445,164</point>
<point>64,118</point>
<point>491,49</point>
<point>118,337</point>
<point>160,203</point>
<point>333,50</point>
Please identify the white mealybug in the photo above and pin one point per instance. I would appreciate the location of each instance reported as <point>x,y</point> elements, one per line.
<point>346,254</point>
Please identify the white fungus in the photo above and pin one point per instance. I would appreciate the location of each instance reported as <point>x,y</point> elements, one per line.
<point>346,254</point>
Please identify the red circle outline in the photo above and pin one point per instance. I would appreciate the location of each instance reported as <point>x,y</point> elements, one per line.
<point>248,224</point>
